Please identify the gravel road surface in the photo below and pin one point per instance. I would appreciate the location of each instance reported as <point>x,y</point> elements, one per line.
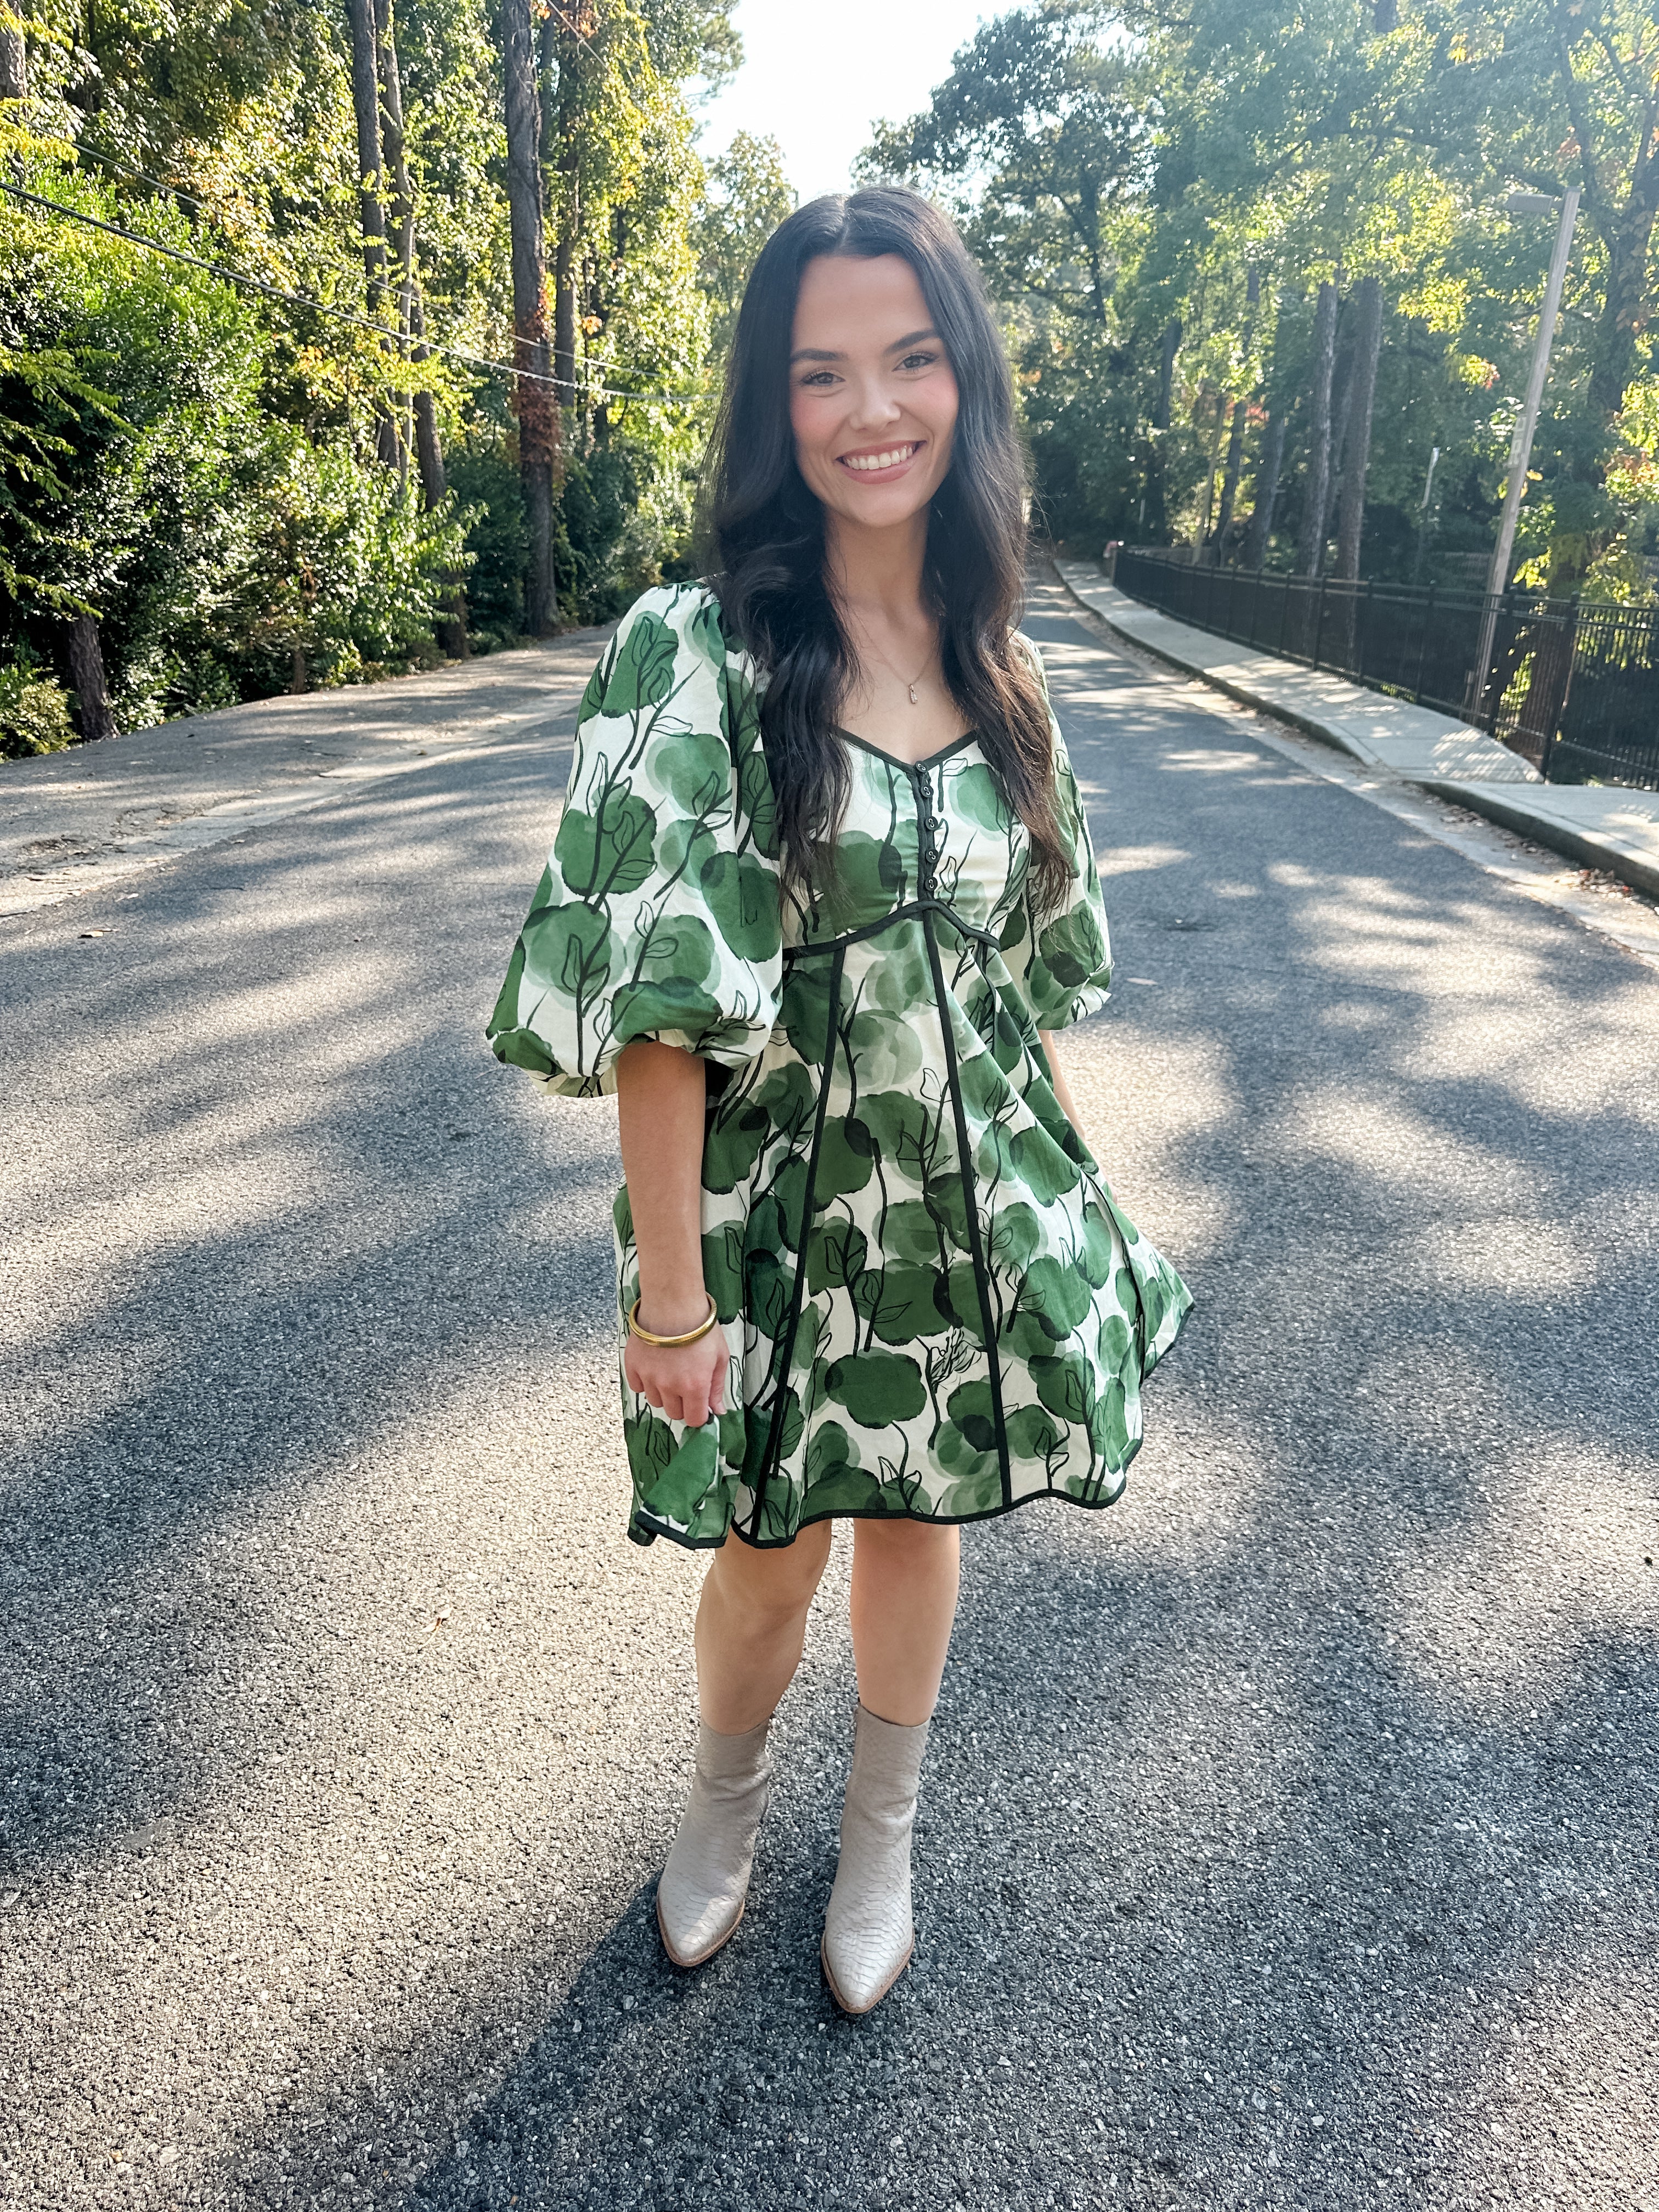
<point>1289,1833</point>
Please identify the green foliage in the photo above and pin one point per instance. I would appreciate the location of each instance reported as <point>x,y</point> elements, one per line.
<point>483,481</point>
<point>34,714</point>
<point>203,468</point>
<point>1139,178</point>
<point>751,197</point>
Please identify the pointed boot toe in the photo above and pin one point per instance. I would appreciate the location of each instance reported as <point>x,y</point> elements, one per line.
<point>868,1932</point>
<point>704,1883</point>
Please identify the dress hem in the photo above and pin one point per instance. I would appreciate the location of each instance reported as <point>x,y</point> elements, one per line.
<point>642,1532</point>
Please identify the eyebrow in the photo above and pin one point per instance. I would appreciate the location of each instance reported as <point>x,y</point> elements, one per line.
<point>818,352</point>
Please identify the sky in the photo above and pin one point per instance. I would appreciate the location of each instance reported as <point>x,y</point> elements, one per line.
<point>815,79</point>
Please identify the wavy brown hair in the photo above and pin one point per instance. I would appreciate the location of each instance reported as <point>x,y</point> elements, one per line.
<point>762,546</point>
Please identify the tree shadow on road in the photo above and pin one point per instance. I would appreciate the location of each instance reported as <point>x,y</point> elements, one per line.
<point>1287,1835</point>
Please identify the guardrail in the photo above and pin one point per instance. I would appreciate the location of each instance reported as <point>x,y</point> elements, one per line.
<point>1573,688</point>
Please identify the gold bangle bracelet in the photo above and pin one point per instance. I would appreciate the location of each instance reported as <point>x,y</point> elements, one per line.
<point>667,1343</point>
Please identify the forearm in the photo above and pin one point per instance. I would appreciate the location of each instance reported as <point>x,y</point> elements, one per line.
<point>1060,1087</point>
<point>660,1094</point>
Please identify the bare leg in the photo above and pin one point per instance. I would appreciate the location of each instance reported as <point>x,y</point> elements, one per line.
<point>751,1625</point>
<point>905,1577</point>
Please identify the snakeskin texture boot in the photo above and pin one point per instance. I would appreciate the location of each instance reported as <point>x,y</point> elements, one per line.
<point>704,1886</point>
<point>868,1934</point>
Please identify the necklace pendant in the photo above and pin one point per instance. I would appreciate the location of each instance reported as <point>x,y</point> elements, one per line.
<point>911,687</point>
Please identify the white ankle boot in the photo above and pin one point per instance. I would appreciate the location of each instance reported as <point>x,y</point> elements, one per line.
<point>868,1934</point>
<point>703,1887</point>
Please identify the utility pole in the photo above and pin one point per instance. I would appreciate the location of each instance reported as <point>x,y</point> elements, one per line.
<point>1524,203</point>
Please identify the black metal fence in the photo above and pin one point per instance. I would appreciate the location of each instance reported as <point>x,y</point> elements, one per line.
<point>1575,689</point>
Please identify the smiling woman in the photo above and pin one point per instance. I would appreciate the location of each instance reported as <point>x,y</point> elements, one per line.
<point>822,893</point>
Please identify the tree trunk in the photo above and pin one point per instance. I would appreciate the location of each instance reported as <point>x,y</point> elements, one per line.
<point>428,447</point>
<point>86,655</point>
<point>1240,416</point>
<point>371,209</point>
<point>1627,308</point>
<point>14,64</point>
<point>534,400</point>
<point>1341,415</point>
<point>1206,526</point>
<point>1266,490</point>
<point>565,58</point>
<point>1316,489</point>
<point>1157,501</point>
<point>1367,350</point>
<point>1230,475</point>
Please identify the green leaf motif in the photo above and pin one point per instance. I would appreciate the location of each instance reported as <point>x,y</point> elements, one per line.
<point>877,1388</point>
<point>899,1303</point>
<point>847,1159</point>
<point>1072,949</point>
<point>742,895</point>
<point>611,851</point>
<point>694,769</point>
<point>506,1015</point>
<point>567,949</point>
<point>836,1254</point>
<point>706,632</point>
<point>735,1142</point>
<point>643,674</point>
<point>661,915</point>
<point>976,791</point>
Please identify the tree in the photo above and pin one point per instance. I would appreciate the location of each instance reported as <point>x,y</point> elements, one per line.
<point>1367,351</point>
<point>750,197</point>
<point>1310,552</point>
<point>365,106</point>
<point>534,401</point>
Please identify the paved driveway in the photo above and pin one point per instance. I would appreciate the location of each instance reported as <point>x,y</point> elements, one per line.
<point>1288,1832</point>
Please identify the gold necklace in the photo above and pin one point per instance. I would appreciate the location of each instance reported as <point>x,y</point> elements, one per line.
<point>910,686</point>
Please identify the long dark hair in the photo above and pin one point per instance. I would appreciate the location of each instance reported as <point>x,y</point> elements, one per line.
<point>762,546</point>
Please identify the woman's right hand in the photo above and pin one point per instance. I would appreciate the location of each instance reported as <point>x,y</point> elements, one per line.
<point>684,1381</point>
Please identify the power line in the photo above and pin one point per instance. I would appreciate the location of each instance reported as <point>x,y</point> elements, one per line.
<point>343,315</point>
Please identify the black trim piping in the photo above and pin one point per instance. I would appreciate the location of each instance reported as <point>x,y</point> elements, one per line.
<point>968,737</point>
<point>965,1168</point>
<point>784,1350</point>
<point>908,912</point>
<point>928,1520</point>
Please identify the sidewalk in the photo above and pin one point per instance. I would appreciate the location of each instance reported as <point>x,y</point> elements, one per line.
<point>1596,825</point>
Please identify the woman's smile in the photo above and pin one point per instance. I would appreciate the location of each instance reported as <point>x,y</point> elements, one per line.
<point>885,461</point>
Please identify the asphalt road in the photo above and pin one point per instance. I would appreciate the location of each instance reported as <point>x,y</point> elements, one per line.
<point>1289,1833</point>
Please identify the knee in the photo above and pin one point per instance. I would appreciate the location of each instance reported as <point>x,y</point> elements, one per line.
<point>768,1592</point>
<point>907,1548</point>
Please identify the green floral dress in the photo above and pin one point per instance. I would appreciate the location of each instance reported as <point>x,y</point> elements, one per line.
<point>933,1306</point>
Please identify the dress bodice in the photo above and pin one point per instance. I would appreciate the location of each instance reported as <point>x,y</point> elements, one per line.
<point>936,830</point>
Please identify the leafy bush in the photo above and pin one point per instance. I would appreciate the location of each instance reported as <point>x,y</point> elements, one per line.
<point>483,483</point>
<point>34,713</point>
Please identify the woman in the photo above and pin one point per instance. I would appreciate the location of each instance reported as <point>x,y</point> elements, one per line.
<point>821,895</point>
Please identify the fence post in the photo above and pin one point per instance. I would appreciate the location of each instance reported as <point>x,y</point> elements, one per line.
<point>1423,644</point>
<point>1318,627</point>
<point>1364,645</point>
<point>1284,612</point>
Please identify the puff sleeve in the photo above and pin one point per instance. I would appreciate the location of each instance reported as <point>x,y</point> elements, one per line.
<point>1061,958</point>
<point>657,914</point>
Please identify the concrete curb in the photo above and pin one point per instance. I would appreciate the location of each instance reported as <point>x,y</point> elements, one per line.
<point>1597,826</point>
<point>1595,846</point>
